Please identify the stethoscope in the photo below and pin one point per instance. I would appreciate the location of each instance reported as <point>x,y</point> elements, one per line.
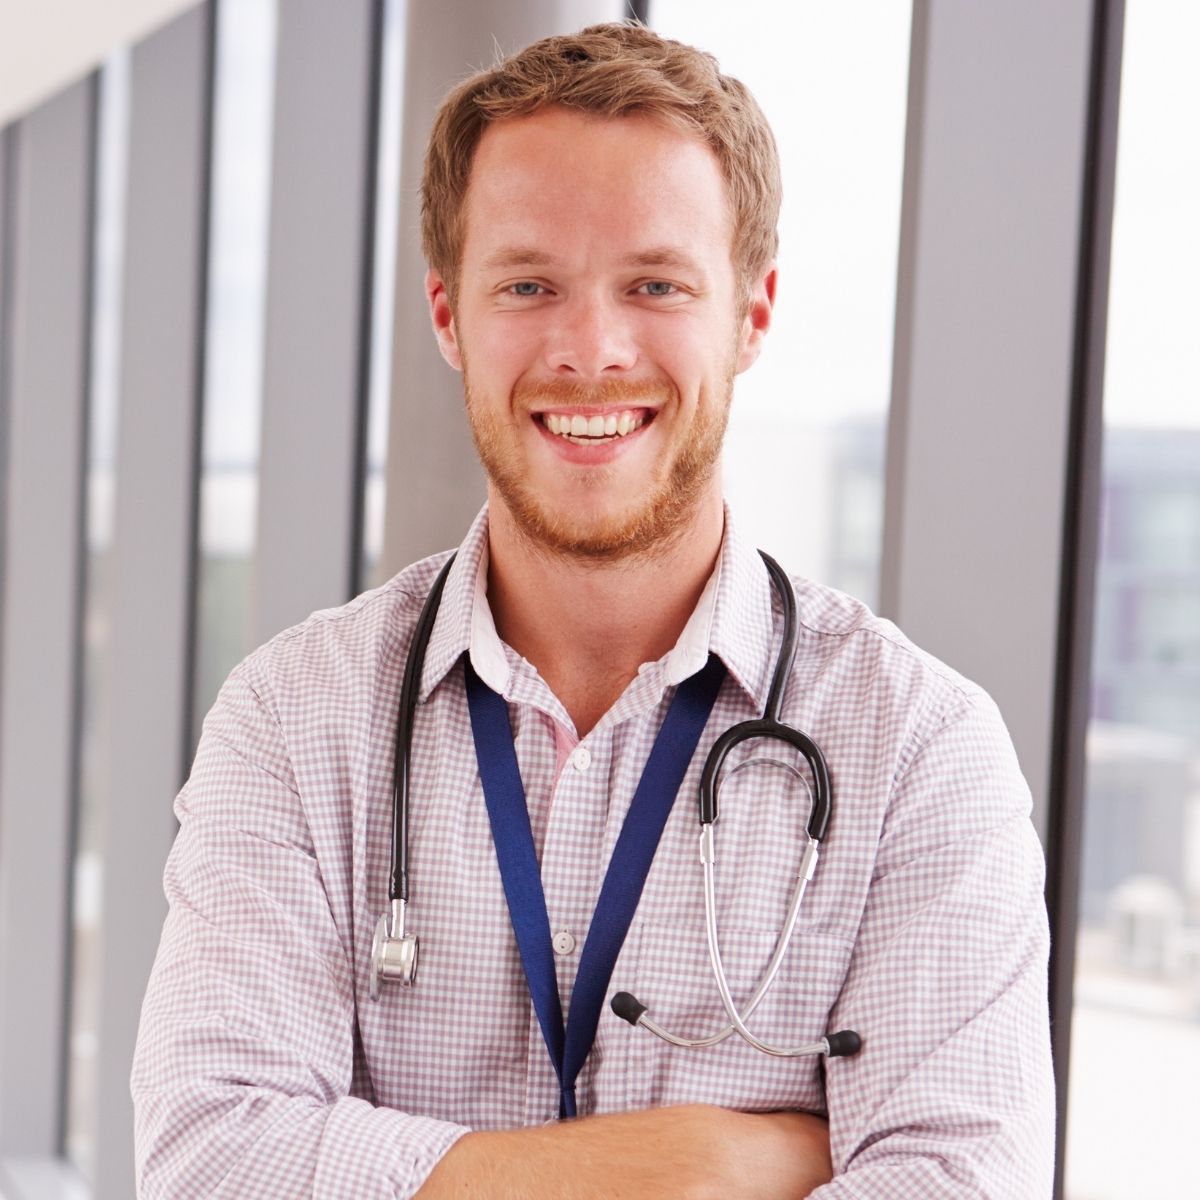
<point>394,951</point>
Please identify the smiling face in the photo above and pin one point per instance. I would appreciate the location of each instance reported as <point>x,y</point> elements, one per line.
<point>599,323</point>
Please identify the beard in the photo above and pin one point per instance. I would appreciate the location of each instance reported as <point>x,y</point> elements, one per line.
<point>648,521</point>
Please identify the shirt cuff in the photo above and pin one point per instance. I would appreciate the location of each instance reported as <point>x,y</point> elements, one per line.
<point>370,1152</point>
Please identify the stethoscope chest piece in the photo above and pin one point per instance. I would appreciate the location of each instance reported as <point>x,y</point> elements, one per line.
<point>393,952</point>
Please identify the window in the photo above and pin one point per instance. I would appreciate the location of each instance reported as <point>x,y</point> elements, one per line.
<point>383,301</point>
<point>804,455</point>
<point>233,375</point>
<point>86,891</point>
<point>1135,1050</point>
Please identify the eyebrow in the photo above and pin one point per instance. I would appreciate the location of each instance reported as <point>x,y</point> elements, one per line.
<point>517,256</point>
<point>665,256</point>
<point>508,257</point>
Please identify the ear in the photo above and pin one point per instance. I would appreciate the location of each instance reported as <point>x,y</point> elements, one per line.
<point>757,320</point>
<point>442,315</point>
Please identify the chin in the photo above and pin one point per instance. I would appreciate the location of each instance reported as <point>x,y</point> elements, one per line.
<point>602,537</point>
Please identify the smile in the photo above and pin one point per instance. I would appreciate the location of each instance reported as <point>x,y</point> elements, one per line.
<point>596,428</point>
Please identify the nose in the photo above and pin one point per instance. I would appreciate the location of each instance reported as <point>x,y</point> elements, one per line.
<point>591,335</point>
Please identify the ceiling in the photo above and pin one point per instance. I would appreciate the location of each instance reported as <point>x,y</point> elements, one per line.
<point>46,45</point>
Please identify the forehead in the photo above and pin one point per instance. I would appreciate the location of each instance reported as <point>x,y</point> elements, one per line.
<point>572,183</point>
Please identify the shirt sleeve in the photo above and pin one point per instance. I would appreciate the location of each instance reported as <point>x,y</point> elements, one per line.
<point>245,1064</point>
<point>952,1092</point>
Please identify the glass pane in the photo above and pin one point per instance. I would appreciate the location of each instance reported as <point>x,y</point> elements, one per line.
<point>245,63</point>
<point>387,207</point>
<point>1135,1047</point>
<point>104,373</point>
<point>804,456</point>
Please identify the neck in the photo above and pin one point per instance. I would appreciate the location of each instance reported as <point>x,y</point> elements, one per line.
<point>587,626</point>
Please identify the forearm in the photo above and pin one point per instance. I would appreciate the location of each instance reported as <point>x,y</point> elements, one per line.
<point>692,1152</point>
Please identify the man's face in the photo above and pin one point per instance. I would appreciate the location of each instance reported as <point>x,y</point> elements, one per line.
<point>599,325</point>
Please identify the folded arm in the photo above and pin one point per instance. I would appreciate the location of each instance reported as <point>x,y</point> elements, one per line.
<point>690,1151</point>
<point>242,1078</point>
<point>952,1094</point>
<point>245,1071</point>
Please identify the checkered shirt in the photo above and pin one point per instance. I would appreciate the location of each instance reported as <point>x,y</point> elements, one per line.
<point>263,1069</point>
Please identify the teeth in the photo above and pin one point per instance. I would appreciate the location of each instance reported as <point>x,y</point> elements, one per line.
<point>578,428</point>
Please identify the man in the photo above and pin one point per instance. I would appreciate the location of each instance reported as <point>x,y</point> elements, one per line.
<point>599,220</point>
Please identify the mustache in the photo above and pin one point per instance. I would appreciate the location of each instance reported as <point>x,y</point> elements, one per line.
<point>566,393</point>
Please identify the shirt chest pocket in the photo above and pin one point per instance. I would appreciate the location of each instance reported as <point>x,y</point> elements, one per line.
<point>674,979</point>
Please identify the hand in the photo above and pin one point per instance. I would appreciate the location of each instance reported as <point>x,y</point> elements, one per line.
<point>692,1151</point>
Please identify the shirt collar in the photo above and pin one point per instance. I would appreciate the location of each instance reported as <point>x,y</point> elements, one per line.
<point>452,632</point>
<point>732,619</point>
<point>743,633</point>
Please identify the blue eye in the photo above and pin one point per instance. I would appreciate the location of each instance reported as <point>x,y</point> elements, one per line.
<point>526,288</point>
<point>658,287</point>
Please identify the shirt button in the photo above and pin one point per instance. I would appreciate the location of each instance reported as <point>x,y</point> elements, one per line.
<point>581,758</point>
<point>564,942</point>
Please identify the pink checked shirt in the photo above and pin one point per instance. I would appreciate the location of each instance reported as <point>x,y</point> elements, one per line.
<point>264,1070</point>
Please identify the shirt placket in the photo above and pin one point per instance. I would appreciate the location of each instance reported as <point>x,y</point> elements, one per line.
<point>571,861</point>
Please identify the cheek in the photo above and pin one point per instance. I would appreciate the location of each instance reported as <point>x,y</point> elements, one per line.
<point>676,343</point>
<point>500,352</point>
<point>696,356</point>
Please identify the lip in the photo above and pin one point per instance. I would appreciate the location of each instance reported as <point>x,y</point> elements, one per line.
<point>592,410</point>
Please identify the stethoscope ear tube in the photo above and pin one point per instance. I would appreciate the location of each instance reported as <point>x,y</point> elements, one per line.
<point>629,1008</point>
<point>833,1045</point>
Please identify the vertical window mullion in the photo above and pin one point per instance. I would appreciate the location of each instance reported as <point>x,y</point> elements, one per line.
<point>51,233</point>
<point>1081,524</point>
<point>317,318</point>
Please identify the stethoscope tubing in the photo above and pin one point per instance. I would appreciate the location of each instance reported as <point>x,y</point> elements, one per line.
<point>394,953</point>
<point>410,689</point>
<point>766,726</point>
<point>736,1019</point>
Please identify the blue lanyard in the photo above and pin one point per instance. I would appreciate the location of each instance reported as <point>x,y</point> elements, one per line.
<point>627,869</point>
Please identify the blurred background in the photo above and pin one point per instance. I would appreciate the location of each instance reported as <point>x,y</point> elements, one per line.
<point>220,409</point>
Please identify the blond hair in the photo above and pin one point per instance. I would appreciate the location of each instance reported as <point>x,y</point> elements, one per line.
<point>611,70</point>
